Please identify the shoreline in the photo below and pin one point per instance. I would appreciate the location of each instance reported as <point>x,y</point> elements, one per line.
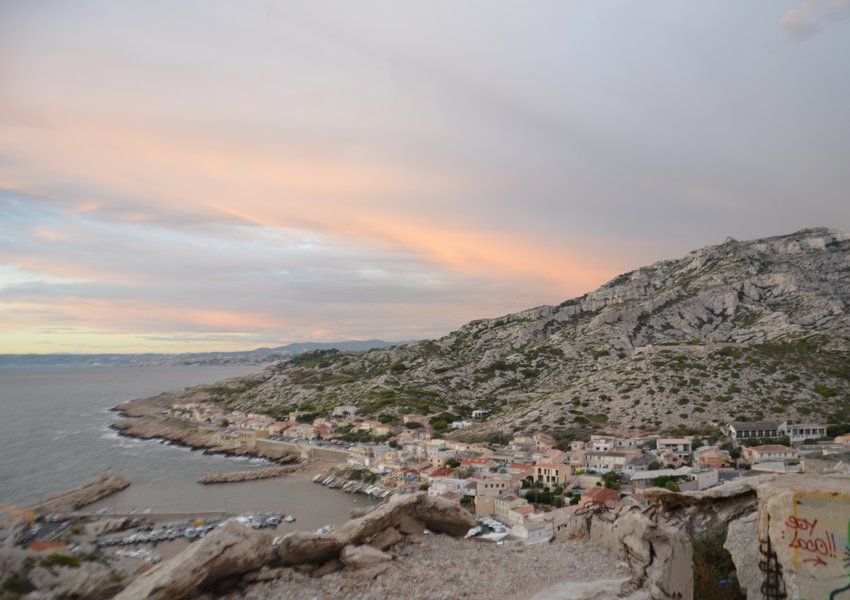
<point>150,428</point>
<point>145,419</point>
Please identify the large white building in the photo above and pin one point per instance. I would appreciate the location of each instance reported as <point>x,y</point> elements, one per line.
<point>797,432</point>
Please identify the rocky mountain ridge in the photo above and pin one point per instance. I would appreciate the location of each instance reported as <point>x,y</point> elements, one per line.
<point>257,356</point>
<point>741,329</point>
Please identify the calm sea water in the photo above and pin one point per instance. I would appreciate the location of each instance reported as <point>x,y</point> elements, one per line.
<point>54,435</point>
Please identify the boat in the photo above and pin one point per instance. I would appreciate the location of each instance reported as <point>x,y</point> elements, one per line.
<point>289,519</point>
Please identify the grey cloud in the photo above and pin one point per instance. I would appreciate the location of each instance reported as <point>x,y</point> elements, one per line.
<point>813,16</point>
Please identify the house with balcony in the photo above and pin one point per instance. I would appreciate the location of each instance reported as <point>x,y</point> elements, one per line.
<point>769,453</point>
<point>679,446</point>
<point>550,473</point>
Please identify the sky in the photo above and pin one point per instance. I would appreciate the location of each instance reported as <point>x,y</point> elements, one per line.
<point>220,175</point>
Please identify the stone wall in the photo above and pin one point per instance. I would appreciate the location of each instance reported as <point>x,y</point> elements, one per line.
<point>306,452</point>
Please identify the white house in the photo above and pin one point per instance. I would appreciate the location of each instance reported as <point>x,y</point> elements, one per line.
<point>680,446</point>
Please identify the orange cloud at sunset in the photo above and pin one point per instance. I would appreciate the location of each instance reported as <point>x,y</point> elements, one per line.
<point>232,174</point>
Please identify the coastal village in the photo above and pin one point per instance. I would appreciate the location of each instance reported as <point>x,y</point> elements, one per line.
<point>527,490</point>
<point>533,486</point>
<point>519,493</point>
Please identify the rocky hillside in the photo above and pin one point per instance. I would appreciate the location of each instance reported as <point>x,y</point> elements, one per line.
<point>741,329</point>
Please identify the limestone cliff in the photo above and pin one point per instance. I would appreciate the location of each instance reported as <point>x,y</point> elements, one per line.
<point>750,329</point>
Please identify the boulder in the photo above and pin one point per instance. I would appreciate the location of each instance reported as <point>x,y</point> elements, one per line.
<point>369,573</point>
<point>264,574</point>
<point>442,515</point>
<point>437,514</point>
<point>358,557</point>
<point>304,547</point>
<point>410,526</point>
<point>327,568</point>
<point>380,518</point>
<point>385,539</point>
<point>231,549</point>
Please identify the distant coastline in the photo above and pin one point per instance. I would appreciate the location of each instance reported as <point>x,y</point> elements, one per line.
<point>258,356</point>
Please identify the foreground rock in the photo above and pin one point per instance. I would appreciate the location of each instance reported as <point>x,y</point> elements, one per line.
<point>411,511</point>
<point>357,557</point>
<point>229,551</point>
<point>44,579</point>
<point>441,567</point>
<point>233,551</point>
<point>82,496</point>
<point>798,543</point>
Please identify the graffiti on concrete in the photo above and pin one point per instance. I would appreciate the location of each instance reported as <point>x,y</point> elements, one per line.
<point>817,536</point>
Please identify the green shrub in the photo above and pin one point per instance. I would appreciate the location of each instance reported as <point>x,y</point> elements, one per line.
<point>62,560</point>
<point>714,571</point>
<point>15,586</point>
<point>825,391</point>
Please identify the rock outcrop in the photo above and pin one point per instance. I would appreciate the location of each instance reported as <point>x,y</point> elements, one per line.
<point>657,548</point>
<point>358,557</point>
<point>234,552</point>
<point>229,551</point>
<point>409,512</point>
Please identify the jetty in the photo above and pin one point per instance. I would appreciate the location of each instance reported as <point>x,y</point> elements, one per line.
<point>81,496</point>
<point>252,475</point>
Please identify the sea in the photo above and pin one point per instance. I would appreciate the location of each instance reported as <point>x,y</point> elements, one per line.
<point>55,435</point>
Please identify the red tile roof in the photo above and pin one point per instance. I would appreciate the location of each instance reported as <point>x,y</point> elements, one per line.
<point>599,495</point>
<point>43,546</point>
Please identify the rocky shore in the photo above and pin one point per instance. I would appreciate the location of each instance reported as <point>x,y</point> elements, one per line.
<point>236,476</point>
<point>149,427</point>
<point>82,496</point>
<point>331,479</point>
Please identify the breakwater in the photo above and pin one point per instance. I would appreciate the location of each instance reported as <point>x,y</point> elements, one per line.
<point>254,474</point>
<point>82,496</point>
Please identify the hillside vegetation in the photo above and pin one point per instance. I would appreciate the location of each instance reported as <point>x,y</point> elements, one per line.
<point>752,330</point>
